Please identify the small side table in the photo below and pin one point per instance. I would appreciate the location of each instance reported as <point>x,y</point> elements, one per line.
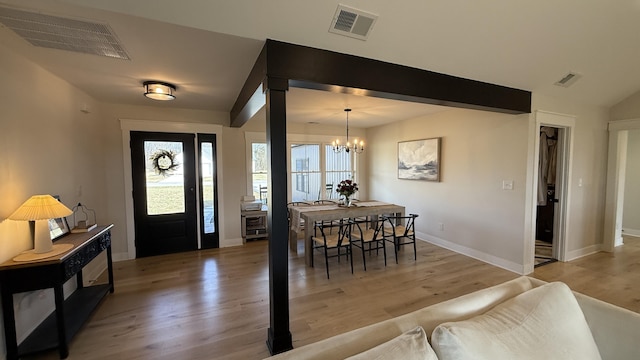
<point>59,328</point>
<point>254,224</point>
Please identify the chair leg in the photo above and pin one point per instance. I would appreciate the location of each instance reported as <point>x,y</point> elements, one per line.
<point>313,251</point>
<point>350,250</point>
<point>415,254</point>
<point>384,251</point>
<point>396,245</point>
<point>326,260</point>
<point>364,260</point>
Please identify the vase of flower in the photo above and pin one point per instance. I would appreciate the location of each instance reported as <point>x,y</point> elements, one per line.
<point>347,201</point>
<point>347,188</point>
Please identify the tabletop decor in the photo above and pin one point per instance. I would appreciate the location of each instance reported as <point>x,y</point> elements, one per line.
<point>347,188</point>
<point>44,210</point>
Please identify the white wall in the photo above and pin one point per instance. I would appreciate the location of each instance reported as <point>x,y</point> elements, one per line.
<point>48,146</point>
<point>631,209</point>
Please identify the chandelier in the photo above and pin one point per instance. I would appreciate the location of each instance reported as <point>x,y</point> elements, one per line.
<point>356,147</point>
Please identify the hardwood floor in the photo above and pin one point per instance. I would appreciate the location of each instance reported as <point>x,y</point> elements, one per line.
<point>611,277</point>
<point>213,304</point>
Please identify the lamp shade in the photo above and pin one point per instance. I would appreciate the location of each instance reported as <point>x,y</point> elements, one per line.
<point>41,207</point>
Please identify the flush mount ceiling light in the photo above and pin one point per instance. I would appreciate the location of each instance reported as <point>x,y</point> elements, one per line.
<point>159,90</point>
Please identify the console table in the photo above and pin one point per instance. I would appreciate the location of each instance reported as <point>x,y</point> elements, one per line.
<point>59,328</point>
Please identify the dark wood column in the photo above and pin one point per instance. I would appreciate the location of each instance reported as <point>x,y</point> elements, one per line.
<point>279,336</point>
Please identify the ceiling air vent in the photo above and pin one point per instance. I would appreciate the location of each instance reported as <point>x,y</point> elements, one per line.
<point>352,22</point>
<point>56,32</point>
<point>569,79</point>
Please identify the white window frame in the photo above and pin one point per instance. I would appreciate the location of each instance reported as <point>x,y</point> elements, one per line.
<point>322,140</point>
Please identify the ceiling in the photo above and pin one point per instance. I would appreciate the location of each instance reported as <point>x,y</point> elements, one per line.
<point>207,48</point>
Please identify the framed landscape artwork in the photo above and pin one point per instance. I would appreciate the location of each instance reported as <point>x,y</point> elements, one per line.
<point>419,159</point>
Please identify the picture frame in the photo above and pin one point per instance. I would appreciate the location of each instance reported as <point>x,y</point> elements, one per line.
<point>419,159</point>
<point>58,227</point>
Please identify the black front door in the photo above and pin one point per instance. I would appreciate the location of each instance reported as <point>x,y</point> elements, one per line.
<point>164,192</point>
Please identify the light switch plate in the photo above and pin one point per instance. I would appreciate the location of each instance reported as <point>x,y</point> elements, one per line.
<point>507,184</point>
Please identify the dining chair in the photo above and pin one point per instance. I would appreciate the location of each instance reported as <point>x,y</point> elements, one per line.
<point>368,235</point>
<point>400,230</point>
<point>335,242</point>
<point>263,194</point>
<point>328,188</point>
<point>325,202</point>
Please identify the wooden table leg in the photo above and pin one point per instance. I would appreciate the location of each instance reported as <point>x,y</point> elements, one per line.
<point>63,347</point>
<point>9,325</point>
<point>293,240</point>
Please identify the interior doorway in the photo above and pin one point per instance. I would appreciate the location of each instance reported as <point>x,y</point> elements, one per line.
<point>546,196</point>
<point>616,168</point>
<point>553,171</point>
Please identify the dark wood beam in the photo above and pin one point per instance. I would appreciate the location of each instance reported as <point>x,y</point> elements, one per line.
<point>251,97</point>
<point>326,70</point>
<point>279,336</point>
<point>313,68</point>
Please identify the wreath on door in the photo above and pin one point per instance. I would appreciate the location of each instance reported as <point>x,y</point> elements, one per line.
<point>164,162</point>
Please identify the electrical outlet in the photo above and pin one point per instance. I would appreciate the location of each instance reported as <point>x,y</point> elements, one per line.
<point>507,184</point>
<point>441,226</point>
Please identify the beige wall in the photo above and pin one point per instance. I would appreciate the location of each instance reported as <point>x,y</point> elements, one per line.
<point>628,108</point>
<point>48,146</point>
<point>631,210</point>
<point>479,151</point>
<point>586,217</point>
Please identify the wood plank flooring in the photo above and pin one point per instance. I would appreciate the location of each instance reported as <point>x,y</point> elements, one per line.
<point>213,304</point>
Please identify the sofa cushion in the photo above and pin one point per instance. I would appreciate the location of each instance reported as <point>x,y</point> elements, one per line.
<point>542,323</point>
<point>408,346</point>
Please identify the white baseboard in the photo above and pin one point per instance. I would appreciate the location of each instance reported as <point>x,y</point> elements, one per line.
<point>576,254</point>
<point>631,232</point>
<point>473,253</point>
<point>231,242</point>
<point>94,273</point>
<point>120,257</point>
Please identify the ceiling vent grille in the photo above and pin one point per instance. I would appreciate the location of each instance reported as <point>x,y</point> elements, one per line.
<point>352,22</point>
<point>569,79</point>
<point>55,32</point>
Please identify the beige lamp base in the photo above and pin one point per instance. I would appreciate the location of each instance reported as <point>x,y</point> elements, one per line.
<point>29,255</point>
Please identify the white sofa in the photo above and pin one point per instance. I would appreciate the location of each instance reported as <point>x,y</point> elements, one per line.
<point>614,330</point>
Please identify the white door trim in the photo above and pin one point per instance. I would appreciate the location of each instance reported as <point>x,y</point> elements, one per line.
<point>567,124</point>
<point>127,125</point>
<point>616,165</point>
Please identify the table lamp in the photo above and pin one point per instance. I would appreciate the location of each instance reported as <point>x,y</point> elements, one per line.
<point>41,208</point>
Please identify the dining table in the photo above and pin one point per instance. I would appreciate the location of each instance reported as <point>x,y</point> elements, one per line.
<point>303,218</point>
